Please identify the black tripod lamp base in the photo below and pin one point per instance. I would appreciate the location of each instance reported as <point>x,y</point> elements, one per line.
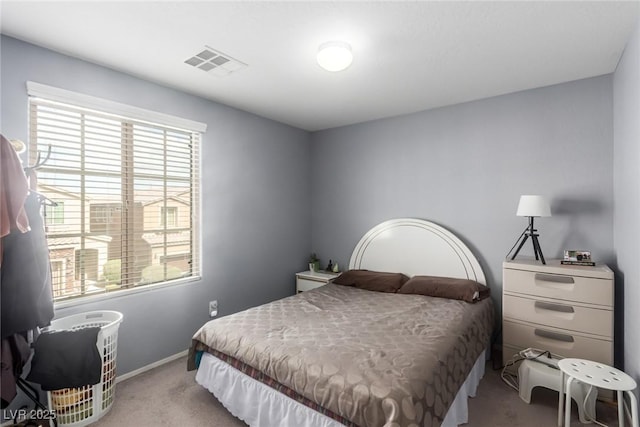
<point>530,232</point>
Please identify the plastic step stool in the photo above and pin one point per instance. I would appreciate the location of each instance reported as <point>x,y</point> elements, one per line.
<point>535,374</point>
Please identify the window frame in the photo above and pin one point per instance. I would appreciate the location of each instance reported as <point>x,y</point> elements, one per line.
<point>101,106</point>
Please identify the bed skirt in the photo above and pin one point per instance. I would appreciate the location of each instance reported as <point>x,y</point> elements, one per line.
<point>259,405</point>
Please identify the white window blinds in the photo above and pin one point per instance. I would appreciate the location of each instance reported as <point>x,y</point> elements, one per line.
<point>127,198</point>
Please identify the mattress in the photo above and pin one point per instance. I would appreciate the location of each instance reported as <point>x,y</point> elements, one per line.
<point>370,358</point>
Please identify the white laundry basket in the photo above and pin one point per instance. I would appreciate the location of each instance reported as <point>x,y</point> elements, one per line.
<point>84,405</point>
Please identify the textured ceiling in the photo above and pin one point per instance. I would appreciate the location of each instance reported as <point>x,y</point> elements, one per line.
<point>408,56</point>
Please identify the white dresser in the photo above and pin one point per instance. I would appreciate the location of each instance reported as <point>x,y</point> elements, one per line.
<point>307,280</point>
<point>567,310</point>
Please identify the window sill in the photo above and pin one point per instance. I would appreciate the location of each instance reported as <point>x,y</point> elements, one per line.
<point>122,293</point>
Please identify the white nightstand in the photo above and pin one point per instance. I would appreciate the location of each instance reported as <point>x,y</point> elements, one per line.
<point>307,280</point>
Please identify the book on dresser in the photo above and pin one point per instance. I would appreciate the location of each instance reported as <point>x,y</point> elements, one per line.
<point>583,263</point>
<point>567,310</point>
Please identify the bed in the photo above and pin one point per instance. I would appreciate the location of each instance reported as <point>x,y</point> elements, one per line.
<point>343,355</point>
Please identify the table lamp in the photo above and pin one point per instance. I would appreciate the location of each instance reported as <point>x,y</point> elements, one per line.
<point>531,206</point>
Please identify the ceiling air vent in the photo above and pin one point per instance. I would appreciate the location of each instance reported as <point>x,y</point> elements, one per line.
<point>214,62</point>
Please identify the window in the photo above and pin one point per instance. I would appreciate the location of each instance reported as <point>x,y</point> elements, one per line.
<point>127,194</point>
<point>57,276</point>
<point>54,214</point>
<point>169,216</point>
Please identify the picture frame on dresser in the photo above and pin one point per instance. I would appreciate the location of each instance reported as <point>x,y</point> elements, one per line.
<point>567,310</point>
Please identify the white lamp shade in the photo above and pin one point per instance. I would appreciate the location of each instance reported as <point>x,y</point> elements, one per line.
<point>533,206</point>
<point>334,56</point>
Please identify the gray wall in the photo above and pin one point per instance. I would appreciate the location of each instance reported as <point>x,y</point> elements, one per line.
<point>465,167</point>
<point>626,177</point>
<point>255,201</point>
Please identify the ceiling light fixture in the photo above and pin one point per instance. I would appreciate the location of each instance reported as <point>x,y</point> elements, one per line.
<point>334,56</point>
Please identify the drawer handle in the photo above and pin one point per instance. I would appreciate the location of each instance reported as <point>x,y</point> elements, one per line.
<point>553,335</point>
<point>554,307</point>
<point>553,278</point>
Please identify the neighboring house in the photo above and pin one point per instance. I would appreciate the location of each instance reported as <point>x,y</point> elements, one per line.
<point>82,244</point>
<point>71,273</point>
<point>174,215</point>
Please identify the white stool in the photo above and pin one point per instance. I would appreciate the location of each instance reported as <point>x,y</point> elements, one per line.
<point>535,374</point>
<point>598,375</point>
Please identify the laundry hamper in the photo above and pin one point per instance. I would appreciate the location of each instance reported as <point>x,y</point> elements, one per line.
<point>84,405</point>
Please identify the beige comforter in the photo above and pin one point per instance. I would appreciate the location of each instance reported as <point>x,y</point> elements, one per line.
<point>377,359</point>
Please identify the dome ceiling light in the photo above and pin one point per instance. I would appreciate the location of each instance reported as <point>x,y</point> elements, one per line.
<point>334,56</point>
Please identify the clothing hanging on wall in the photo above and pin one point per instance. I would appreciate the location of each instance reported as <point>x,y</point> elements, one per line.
<point>15,352</point>
<point>25,273</point>
<point>25,276</point>
<point>13,192</point>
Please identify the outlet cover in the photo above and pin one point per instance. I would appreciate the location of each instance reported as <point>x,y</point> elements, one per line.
<point>213,308</point>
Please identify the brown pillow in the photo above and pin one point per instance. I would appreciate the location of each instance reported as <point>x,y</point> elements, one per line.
<point>372,280</point>
<point>446,287</point>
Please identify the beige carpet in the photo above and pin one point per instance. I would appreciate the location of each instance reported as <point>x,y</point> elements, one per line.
<point>169,396</point>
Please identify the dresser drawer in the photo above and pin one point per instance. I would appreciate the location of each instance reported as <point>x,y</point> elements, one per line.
<point>563,315</point>
<point>557,341</point>
<point>304,285</point>
<point>564,287</point>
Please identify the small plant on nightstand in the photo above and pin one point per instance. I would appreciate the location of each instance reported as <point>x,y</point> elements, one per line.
<point>314,262</point>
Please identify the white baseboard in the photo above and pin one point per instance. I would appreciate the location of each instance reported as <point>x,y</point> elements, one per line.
<point>151,366</point>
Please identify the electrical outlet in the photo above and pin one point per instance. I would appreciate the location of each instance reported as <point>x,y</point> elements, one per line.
<point>213,308</point>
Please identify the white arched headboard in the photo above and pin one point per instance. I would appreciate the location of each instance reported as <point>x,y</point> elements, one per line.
<point>415,247</point>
